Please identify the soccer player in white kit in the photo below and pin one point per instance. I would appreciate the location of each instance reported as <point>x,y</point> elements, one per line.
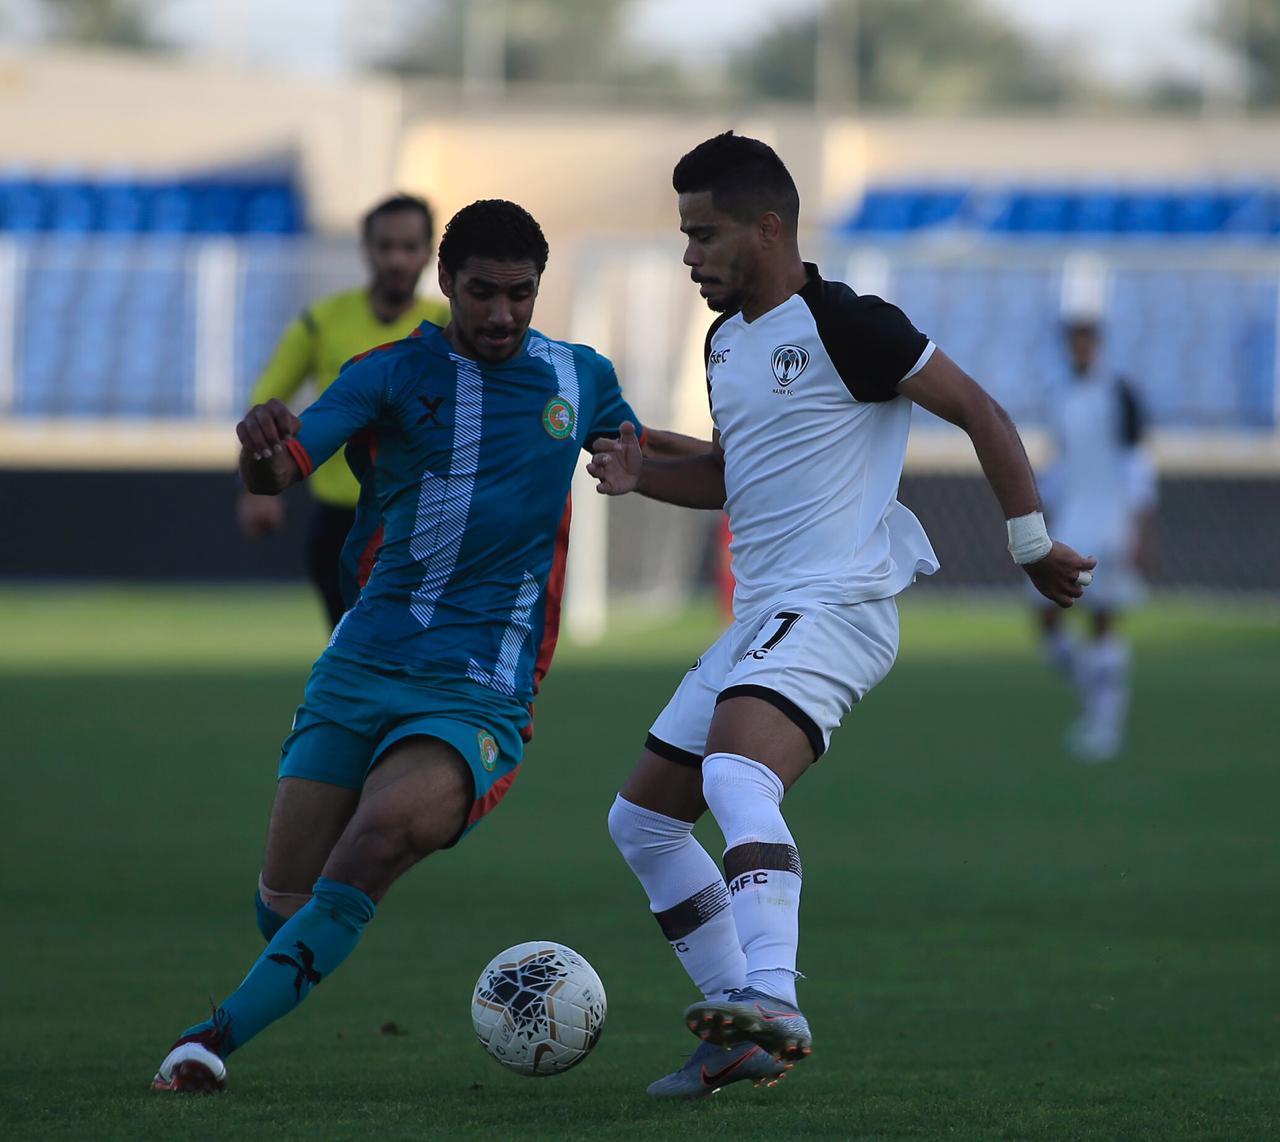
<point>1100,496</point>
<point>811,389</point>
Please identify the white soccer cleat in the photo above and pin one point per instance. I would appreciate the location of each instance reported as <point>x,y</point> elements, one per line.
<point>710,1067</point>
<point>748,1014</point>
<point>191,1068</point>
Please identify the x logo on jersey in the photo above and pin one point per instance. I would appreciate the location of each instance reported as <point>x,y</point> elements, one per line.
<point>432,405</point>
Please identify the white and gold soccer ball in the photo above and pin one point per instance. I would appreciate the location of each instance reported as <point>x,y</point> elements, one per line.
<point>538,1008</point>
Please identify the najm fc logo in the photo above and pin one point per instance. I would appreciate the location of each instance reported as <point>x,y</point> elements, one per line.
<point>789,361</point>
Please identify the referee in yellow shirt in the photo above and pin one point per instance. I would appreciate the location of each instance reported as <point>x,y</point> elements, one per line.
<point>397,237</point>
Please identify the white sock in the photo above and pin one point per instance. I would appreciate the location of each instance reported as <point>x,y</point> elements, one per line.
<point>686,892</point>
<point>1059,649</point>
<point>1107,675</point>
<point>761,866</point>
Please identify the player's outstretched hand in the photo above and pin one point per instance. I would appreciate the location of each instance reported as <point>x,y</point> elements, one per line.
<point>266,427</point>
<point>616,464</point>
<point>1057,575</point>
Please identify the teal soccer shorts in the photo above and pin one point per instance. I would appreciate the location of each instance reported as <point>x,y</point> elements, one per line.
<point>354,710</point>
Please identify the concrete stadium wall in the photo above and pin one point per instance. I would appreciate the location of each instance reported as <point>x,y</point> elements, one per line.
<point>104,112</point>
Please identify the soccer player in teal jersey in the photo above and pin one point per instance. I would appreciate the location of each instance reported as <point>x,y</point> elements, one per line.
<point>412,724</point>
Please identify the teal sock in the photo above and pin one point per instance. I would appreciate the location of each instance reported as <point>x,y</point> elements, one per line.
<point>269,922</point>
<point>306,949</point>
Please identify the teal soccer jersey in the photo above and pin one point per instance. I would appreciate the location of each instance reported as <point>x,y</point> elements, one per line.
<point>465,469</point>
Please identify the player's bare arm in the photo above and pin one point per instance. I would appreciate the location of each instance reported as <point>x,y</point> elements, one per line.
<point>947,391</point>
<point>692,480</point>
<point>662,444</point>
<point>266,465</point>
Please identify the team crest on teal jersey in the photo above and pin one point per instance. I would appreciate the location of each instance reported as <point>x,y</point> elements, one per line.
<point>488,748</point>
<point>558,418</point>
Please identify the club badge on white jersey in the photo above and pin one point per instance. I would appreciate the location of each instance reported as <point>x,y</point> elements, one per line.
<point>815,434</point>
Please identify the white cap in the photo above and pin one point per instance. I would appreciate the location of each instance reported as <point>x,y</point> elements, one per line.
<point>1085,280</point>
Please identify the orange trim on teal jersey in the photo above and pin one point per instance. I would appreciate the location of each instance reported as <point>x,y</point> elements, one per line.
<point>368,557</point>
<point>551,613</point>
<point>416,331</point>
<point>299,454</point>
<point>489,801</point>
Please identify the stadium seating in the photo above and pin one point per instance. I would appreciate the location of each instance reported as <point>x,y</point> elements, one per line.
<point>209,205</point>
<point>106,324</point>
<point>1101,211</point>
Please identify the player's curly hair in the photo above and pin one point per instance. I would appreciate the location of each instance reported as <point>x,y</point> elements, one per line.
<point>745,177</point>
<point>493,228</point>
<point>396,204</point>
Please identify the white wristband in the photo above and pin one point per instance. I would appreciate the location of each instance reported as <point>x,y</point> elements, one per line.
<point>1029,540</point>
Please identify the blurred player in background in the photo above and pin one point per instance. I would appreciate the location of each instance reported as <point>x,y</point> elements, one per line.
<point>811,388</point>
<point>397,237</point>
<point>412,725</point>
<point>1100,496</point>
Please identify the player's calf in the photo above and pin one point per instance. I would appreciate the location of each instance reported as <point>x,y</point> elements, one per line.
<point>275,908</point>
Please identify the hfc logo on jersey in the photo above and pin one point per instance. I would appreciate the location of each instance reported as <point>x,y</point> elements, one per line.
<point>788,362</point>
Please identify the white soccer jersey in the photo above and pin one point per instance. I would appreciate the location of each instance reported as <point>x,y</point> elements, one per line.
<point>814,436</point>
<point>1100,478</point>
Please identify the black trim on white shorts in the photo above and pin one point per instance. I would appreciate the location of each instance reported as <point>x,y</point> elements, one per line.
<point>672,753</point>
<point>783,704</point>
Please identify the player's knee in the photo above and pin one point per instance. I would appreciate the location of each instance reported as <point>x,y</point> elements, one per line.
<point>728,779</point>
<point>275,908</point>
<point>621,824</point>
<point>636,830</point>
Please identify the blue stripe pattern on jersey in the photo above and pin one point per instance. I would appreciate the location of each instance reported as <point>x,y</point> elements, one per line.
<point>444,502</point>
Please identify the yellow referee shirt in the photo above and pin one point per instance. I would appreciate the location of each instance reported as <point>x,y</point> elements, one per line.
<point>316,345</point>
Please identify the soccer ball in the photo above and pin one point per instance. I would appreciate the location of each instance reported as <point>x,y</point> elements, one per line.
<point>538,1008</point>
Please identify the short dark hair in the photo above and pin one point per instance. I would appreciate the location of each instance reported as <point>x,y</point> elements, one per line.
<point>394,205</point>
<point>745,177</point>
<point>493,228</point>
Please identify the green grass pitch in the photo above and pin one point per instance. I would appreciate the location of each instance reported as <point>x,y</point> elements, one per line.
<point>1000,944</point>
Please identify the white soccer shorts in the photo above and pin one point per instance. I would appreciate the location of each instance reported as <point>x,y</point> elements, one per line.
<point>811,660</point>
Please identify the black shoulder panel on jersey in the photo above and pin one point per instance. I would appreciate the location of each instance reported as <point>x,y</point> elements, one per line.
<point>1133,424</point>
<point>706,347</point>
<point>711,332</point>
<point>872,344</point>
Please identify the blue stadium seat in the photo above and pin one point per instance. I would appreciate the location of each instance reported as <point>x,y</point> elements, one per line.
<point>219,208</point>
<point>1145,213</point>
<point>123,207</point>
<point>1040,212</point>
<point>1095,212</point>
<point>272,210</point>
<point>73,207</point>
<point>938,206</point>
<point>1198,211</point>
<point>171,210</point>
<point>24,207</point>
<point>884,210</point>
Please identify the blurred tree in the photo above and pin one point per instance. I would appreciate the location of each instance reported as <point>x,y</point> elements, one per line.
<point>124,23</point>
<point>543,41</point>
<point>953,55</point>
<point>1250,30</point>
